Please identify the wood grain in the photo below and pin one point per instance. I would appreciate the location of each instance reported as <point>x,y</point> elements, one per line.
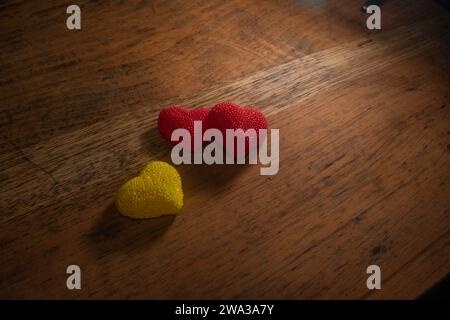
<point>365,149</point>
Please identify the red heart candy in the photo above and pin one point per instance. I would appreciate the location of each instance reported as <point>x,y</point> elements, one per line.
<point>174,117</point>
<point>228,115</point>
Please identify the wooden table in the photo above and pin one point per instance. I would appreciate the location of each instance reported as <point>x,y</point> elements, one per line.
<point>364,121</point>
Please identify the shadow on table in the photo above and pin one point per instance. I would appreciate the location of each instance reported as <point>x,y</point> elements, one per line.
<point>441,291</point>
<point>195,177</point>
<point>112,232</point>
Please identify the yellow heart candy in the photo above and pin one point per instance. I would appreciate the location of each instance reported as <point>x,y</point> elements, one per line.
<point>155,192</point>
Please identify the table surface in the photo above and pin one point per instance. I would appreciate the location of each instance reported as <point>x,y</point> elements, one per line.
<point>364,121</point>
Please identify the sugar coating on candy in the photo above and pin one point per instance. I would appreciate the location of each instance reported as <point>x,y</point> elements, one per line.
<point>174,117</point>
<point>157,191</point>
<point>228,115</point>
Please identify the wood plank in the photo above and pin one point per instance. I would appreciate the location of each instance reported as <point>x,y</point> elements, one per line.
<point>364,175</point>
<point>132,54</point>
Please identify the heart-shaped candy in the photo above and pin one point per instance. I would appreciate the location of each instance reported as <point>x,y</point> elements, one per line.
<point>228,115</point>
<point>155,192</point>
<point>174,117</point>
